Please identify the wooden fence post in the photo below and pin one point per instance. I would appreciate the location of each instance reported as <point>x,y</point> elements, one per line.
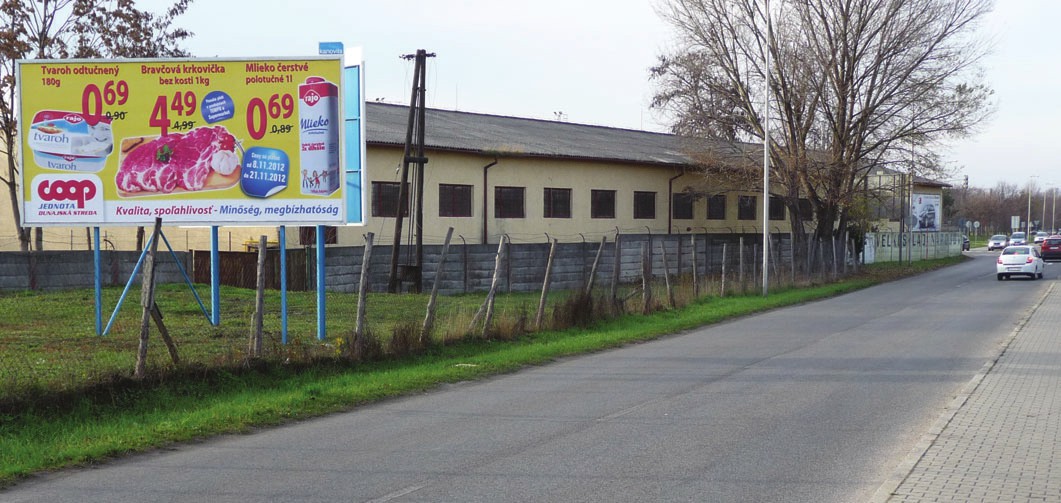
<point>147,300</point>
<point>429,319</point>
<point>722,290</point>
<point>362,297</point>
<point>488,304</point>
<point>696,279</point>
<point>593,269</point>
<point>740,263</point>
<point>616,268</point>
<point>254,347</point>
<point>540,317</point>
<point>646,277</point>
<point>666,272</point>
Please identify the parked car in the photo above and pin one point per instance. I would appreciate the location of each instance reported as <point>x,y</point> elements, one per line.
<point>997,242</point>
<point>1041,236</point>
<point>1018,238</point>
<point>1019,260</point>
<point>965,242</point>
<point>1051,248</point>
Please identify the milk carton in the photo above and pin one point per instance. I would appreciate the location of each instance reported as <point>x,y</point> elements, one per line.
<point>318,130</point>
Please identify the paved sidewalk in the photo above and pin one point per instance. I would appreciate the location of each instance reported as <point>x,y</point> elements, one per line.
<point>1000,440</point>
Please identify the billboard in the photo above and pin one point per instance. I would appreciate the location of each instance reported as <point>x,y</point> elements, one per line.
<point>926,212</point>
<point>193,141</point>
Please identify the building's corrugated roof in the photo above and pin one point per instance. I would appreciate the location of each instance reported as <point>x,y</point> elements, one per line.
<point>386,124</point>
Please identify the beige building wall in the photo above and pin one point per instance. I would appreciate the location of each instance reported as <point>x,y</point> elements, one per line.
<point>535,175</point>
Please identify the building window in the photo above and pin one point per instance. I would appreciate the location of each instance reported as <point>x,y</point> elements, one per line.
<point>745,207</point>
<point>716,207</point>
<point>682,206</point>
<point>806,211</point>
<point>454,200</point>
<point>385,199</point>
<point>557,203</point>
<point>602,204</point>
<point>508,202</point>
<point>644,204</point>
<point>777,208</point>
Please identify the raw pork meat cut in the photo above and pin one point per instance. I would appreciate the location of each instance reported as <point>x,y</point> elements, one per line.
<point>175,160</point>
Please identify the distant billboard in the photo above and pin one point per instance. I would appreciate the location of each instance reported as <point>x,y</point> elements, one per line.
<point>194,141</point>
<point>926,212</point>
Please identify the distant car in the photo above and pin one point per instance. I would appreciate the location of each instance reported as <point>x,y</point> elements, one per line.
<point>997,242</point>
<point>1018,238</point>
<point>1019,260</point>
<point>1040,236</point>
<point>1051,248</point>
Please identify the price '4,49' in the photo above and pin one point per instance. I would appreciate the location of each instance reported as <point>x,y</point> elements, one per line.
<point>182,104</point>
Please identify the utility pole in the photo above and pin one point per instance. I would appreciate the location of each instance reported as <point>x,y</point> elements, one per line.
<point>766,157</point>
<point>415,129</point>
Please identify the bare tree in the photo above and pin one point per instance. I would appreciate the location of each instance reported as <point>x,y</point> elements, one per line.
<point>854,84</point>
<point>73,28</point>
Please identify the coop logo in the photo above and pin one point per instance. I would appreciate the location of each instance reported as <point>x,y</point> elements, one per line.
<point>311,97</point>
<point>76,191</point>
<point>64,199</point>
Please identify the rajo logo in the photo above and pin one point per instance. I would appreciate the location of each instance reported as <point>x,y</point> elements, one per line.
<point>311,97</point>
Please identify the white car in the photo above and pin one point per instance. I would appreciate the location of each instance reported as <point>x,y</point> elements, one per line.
<point>1040,237</point>
<point>1021,260</point>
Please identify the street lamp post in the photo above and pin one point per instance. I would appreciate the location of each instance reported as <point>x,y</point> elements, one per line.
<point>1028,223</point>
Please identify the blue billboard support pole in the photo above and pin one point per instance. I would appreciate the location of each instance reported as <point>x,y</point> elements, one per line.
<point>215,279</point>
<point>320,283</point>
<point>128,284</point>
<point>283,284</point>
<point>98,280</point>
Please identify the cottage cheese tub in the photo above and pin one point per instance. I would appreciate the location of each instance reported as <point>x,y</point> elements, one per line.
<point>70,141</point>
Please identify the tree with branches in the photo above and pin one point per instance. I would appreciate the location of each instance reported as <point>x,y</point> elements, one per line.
<point>853,85</point>
<point>48,29</point>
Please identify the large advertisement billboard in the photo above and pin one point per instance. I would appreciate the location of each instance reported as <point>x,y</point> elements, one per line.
<point>193,141</point>
<point>926,212</point>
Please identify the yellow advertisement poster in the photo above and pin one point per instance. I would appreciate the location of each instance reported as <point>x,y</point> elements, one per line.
<point>194,141</point>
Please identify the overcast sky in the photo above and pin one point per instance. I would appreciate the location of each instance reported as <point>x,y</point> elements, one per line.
<point>587,61</point>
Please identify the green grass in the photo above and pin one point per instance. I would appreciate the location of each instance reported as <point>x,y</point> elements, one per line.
<point>85,423</point>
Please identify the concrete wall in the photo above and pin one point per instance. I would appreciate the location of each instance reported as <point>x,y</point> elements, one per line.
<point>470,268</point>
<point>74,269</point>
<point>893,246</point>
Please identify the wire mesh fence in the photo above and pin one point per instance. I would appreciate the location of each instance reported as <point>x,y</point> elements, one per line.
<point>49,340</point>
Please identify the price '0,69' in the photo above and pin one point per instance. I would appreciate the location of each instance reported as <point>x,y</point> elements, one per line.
<point>258,114</point>
<point>93,98</point>
<point>182,104</point>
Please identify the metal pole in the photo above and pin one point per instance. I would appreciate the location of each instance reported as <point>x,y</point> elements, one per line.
<point>321,318</point>
<point>1053,213</point>
<point>766,159</point>
<point>1028,223</point>
<point>98,281</point>
<point>215,277</point>
<point>283,283</point>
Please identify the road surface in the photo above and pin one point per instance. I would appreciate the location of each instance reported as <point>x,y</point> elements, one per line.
<point>817,403</point>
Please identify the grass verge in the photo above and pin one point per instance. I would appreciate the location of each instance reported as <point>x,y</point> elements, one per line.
<point>91,427</point>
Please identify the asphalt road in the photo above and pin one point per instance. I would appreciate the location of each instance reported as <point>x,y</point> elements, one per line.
<point>815,403</point>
